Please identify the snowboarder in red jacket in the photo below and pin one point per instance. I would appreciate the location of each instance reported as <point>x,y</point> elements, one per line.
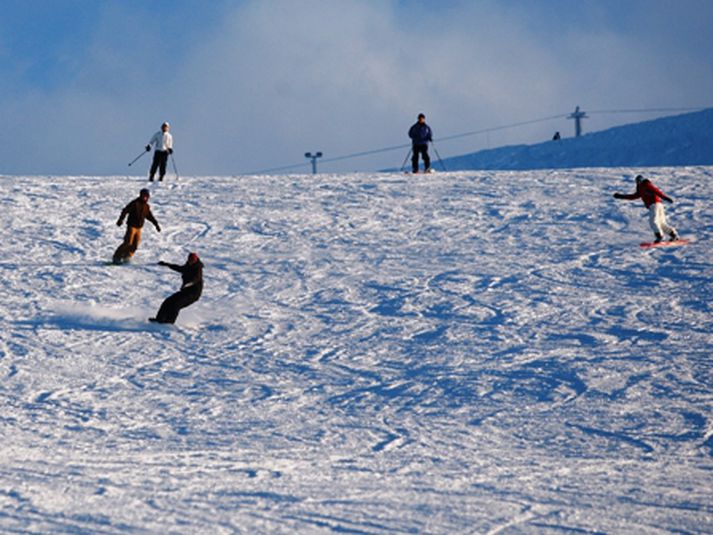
<point>652,197</point>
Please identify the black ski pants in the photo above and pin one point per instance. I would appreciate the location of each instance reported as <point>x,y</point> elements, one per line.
<point>168,313</point>
<point>423,150</point>
<point>160,157</point>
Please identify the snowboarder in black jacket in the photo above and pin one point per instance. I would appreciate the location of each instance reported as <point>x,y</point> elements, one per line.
<point>190,292</point>
<point>420,134</point>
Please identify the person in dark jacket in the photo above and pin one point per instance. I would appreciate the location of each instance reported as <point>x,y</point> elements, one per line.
<point>652,196</point>
<point>191,289</point>
<point>421,135</point>
<point>137,212</point>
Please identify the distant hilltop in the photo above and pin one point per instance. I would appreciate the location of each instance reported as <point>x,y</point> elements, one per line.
<point>669,141</point>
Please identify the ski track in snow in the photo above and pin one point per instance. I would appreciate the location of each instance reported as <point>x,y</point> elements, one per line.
<point>470,352</point>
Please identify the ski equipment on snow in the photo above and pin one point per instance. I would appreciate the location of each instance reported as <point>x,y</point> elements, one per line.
<point>173,161</point>
<point>403,165</point>
<point>670,243</point>
<point>139,156</point>
<point>438,155</point>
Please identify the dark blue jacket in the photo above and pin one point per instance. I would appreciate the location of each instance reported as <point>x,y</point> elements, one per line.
<point>420,134</point>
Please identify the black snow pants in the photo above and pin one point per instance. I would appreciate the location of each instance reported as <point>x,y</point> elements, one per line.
<point>172,305</point>
<point>160,157</point>
<point>423,150</point>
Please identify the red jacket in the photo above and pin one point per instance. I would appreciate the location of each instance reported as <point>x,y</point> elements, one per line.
<point>647,192</point>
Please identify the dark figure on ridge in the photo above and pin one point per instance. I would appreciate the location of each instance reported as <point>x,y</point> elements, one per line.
<point>421,135</point>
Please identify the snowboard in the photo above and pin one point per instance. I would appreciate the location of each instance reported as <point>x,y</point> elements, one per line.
<point>155,320</point>
<point>675,243</point>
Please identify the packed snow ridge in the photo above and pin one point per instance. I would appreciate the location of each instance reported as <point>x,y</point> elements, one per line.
<point>468,352</point>
<point>685,139</point>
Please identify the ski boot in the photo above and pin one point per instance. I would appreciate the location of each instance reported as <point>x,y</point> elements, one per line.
<point>659,237</point>
<point>674,235</point>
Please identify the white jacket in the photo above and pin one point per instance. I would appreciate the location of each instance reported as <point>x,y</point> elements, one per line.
<point>162,141</point>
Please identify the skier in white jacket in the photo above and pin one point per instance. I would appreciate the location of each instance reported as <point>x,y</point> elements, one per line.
<point>163,143</point>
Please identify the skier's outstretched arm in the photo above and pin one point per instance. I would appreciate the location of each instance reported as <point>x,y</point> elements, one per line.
<point>174,267</point>
<point>153,141</point>
<point>627,196</point>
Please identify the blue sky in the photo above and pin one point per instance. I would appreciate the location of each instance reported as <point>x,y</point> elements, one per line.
<point>250,85</point>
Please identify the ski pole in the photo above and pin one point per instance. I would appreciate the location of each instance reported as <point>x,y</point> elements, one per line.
<point>139,156</point>
<point>174,167</point>
<point>438,155</point>
<point>406,159</point>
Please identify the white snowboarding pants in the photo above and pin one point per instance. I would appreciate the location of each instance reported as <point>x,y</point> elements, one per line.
<point>657,220</point>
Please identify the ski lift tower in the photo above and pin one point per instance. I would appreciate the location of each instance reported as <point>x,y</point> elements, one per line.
<point>313,157</point>
<point>578,116</point>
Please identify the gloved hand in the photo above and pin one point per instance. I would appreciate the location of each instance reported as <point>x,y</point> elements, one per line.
<point>170,151</point>
<point>668,199</point>
<point>119,223</point>
<point>618,195</point>
<point>162,263</point>
<point>158,229</point>
<point>148,148</point>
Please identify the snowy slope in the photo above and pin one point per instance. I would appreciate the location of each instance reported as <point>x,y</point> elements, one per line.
<point>485,352</point>
<point>678,140</point>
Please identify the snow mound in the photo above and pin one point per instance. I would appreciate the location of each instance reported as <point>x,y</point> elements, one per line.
<point>670,141</point>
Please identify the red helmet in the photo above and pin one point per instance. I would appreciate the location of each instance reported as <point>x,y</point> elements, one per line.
<point>192,258</point>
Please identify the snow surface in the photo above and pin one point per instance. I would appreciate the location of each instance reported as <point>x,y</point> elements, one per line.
<point>473,352</point>
<point>685,139</point>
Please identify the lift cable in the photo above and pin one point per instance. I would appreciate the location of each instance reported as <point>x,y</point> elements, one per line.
<point>361,154</point>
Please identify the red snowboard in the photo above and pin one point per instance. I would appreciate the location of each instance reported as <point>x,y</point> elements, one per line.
<point>675,243</point>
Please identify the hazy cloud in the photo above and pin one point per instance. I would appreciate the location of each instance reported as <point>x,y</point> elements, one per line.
<point>260,82</point>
